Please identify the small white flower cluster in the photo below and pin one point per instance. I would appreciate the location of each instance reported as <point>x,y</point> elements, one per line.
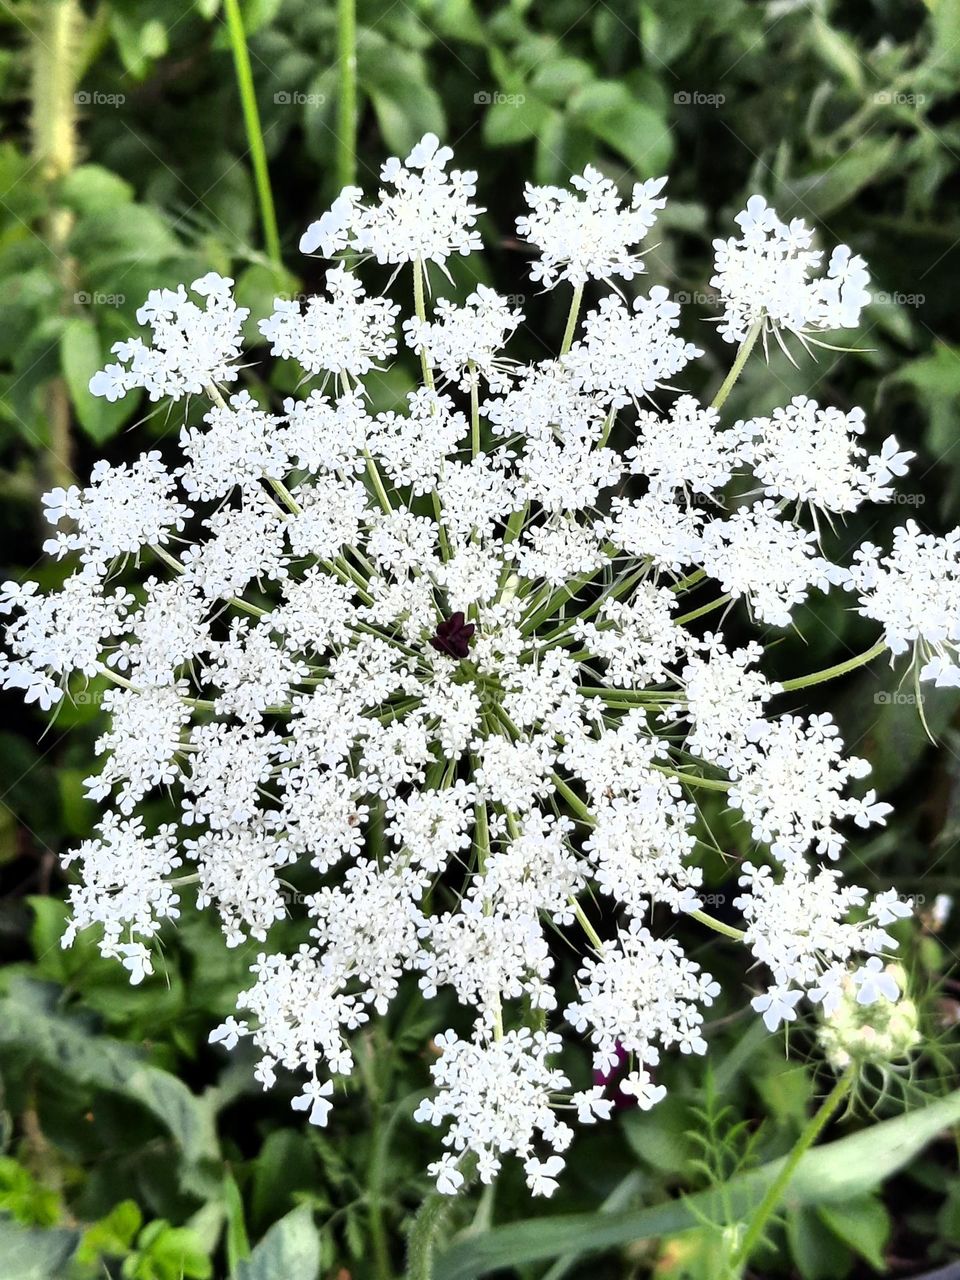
<point>433,667</point>
<point>767,276</point>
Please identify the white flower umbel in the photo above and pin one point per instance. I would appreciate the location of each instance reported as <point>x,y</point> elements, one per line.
<point>772,276</point>
<point>438,668</point>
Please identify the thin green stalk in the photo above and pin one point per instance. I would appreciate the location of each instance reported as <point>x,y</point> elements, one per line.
<point>251,119</point>
<point>376,1169</point>
<point>839,669</point>
<point>746,346</point>
<point>779,1186</point>
<point>347,100</point>
<point>572,318</point>
<point>718,926</point>
<point>704,609</point>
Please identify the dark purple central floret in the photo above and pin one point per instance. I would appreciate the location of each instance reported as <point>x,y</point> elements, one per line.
<point>453,636</point>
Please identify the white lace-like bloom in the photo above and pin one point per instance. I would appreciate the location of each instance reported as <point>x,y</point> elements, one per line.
<point>768,275</point>
<point>498,1095</point>
<point>774,563</point>
<point>588,233</point>
<point>192,346</point>
<point>444,667</point>
<point>117,513</point>
<point>642,995</point>
<point>788,785</point>
<point>799,927</point>
<point>347,334</point>
<point>467,338</point>
<point>624,356</point>
<point>240,445</point>
<point>914,592</point>
<point>683,451</point>
<point>806,453</point>
<point>424,213</point>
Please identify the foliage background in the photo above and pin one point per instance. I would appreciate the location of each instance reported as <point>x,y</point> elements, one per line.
<point>128,1145</point>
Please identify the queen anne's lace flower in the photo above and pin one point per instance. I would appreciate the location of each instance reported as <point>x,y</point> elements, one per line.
<point>588,236</point>
<point>192,346</point>
<point>915,593</point>
<point>348,334</point>
<point>767,276</point>
<point>440,664</point>
<point>806,453</point>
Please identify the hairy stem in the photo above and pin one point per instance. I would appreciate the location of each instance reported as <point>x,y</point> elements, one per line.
<point>746,346</point>
<point>777,1189</point>
<point>839,669</point>
<point>572,318</point>
<point>55,43</point>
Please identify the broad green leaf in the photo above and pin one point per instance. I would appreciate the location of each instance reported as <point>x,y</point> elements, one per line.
<point>626,124</point>
<point>81,357</point>
<point>35,1255</point>
<point>863,1224</point>
<point>91,188</point>
<point>512,118</point>
<point>836,1172</point>
<point>290,1248</point>
<point>820,193</point>
<point>29,1018</point>
<point>816,1252</point>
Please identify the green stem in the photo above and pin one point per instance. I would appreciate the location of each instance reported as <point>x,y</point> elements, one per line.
<point>376,1168</point>
<point>55,35</point>
<point>718,926</point>
<point>251,118</point>
<point>831,673</point>
<point>432,1214</point>
<point>777,1189</point>
<point>572,318</point>
<point>347,101</point>
<point>746,346</point>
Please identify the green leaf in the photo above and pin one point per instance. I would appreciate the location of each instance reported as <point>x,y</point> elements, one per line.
<point>285,1165</point>
<point>629,126</point>
<point>290,1248</point>
<point>238,1243</point>
<point>818,1255</point>
<point>863,1224</point>
<point>512,118</point>
<point>113,1235</point>
<point>35,1255</point>
<point>29,1018</point>
<point>836,1172</point>
<point>92,189</point>
<point>81,357</point>
<point>820,193</point>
